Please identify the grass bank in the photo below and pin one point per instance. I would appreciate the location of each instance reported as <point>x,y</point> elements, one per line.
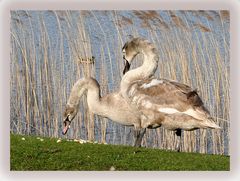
<point>32,153</point>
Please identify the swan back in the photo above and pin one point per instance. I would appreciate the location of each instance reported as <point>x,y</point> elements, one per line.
<point>174,100</point>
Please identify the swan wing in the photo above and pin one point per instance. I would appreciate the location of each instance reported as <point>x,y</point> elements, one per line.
<point>164,93</point>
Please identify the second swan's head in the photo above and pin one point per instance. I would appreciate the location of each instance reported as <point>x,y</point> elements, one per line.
<point>68,115</point>
<point>130,50</point>
<point>133,48</point>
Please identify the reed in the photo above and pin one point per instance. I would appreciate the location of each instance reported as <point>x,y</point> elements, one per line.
<point>50,50</point>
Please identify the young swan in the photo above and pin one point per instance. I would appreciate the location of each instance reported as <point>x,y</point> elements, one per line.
<point>177,105</point>
<point>111,106</point>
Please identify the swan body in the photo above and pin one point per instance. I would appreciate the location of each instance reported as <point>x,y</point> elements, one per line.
<point>175,106</point>
<point>111,106</point>
<point>162,102</point>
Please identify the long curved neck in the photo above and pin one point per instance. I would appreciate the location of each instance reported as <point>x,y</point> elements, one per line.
<point>96,104</point>
<point>93,94</point>
<point>146,70</point>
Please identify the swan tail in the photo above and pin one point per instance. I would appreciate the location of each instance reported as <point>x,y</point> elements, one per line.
<point>209,123</point>
<point>201,113</point>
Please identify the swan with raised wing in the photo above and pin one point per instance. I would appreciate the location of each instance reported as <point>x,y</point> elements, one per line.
<point>162,102</point>
<point>111,106</point>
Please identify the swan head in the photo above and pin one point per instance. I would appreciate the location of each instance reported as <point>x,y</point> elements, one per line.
<point>129,51</point>
<point>69,114</point>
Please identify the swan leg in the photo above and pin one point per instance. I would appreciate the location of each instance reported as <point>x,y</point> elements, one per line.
<point>138,134</point>
<point>179,136</point>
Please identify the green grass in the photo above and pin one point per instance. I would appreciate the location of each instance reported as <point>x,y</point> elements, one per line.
<point>33,154</point>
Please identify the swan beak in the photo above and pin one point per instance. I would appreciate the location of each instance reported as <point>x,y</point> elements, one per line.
<point>66,126</point>
<point>127,66</point>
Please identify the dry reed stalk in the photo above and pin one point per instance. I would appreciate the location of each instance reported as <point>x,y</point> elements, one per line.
<point>16,79</point>
<point>49,83</point>
<point>225,14</point>
<point>202,27</point>
<point>23,54</point>
<point>105,42</point>
<point>177,20</point>
<point>59,81</point>
<point>32,54</point>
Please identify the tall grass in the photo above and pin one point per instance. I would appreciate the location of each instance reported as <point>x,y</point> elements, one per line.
<point>50,50</point>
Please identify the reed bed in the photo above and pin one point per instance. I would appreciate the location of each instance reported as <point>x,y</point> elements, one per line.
<point>50,50</point>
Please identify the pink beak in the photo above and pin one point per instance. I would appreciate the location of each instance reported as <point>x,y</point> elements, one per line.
<point>66,127</point>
